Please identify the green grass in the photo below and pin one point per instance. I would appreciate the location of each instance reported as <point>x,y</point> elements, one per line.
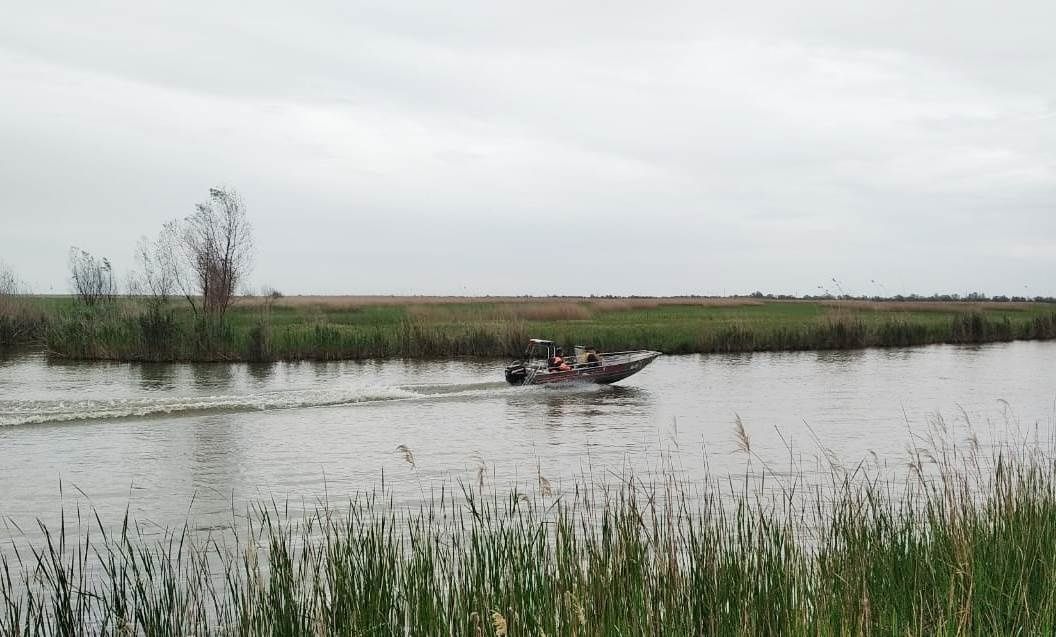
<point>968,547</point>
<point>402,328</point>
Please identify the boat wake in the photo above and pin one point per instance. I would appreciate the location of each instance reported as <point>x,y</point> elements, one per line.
<point>28,412</point>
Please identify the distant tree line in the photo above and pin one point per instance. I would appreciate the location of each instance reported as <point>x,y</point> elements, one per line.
<point>971,297</point>
<point>827,296</point>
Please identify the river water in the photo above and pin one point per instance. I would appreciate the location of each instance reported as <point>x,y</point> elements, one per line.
<point>173,442</point>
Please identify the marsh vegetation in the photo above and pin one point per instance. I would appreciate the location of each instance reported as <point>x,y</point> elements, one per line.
<point>22,317</point>
<point>966,544</point>
<point>290,328</point>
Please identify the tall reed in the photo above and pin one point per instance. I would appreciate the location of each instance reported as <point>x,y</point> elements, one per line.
<point>967,546</point>
<point>21,320</point>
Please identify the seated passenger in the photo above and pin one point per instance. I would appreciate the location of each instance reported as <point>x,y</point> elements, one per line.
<point>557,362</point>
<point>593,358</point>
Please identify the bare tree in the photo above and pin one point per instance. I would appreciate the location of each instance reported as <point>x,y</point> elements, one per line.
<point>93,279</point>
<point>156,269</point>
<point>10,284</point>
<point>216,246</point>
<point>177,263</point>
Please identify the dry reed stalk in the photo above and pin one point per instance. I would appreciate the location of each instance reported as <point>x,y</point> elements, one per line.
<point>408,455</point>
<point>652,303</point>
<point>542,311</point>
<point>499,622</point>
<point>545,488</point>
<point>606,303</point>
<point>744,443</point>
<point>563,311</point>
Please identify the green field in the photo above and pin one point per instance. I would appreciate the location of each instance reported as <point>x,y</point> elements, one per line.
<point>968,547</point>
<point>368,327</point>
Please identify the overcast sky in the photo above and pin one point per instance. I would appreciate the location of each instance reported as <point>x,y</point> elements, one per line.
<point>613,147</point>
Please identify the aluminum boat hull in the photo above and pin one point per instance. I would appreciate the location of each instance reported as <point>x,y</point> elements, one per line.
<point>614,367</point>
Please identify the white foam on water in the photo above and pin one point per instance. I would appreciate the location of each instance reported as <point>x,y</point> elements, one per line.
<point>28,412</point>
<point>47,411</point>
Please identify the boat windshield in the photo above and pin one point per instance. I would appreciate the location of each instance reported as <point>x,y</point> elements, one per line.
<point>540,350</point>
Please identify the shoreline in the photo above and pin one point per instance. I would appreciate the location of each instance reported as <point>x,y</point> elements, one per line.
<point>12,352</point>
<point>300,329</point>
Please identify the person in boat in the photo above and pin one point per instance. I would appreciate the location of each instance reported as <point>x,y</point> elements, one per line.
<point>593,357</point>
<point>557,362</point>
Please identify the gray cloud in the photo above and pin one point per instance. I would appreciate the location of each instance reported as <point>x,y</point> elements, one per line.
<point>486,149</point>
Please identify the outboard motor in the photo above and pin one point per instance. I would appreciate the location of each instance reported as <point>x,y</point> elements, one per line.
<point>516,373</point>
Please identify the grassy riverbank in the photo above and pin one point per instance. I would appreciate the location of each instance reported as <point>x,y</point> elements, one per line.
<point>376,327</point>
<point>970,551</point>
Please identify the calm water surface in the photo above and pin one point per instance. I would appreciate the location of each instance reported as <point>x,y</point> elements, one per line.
<point>169,441</point>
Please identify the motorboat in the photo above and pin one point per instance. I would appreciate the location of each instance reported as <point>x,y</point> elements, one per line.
<point>545,363</point>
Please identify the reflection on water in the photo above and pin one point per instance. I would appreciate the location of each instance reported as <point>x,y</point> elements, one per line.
<point>733,359</point>
<point>11,356</point>
<point>260,372</point>
<point>156,376</point>
<point>216,456</point>
<point>840,357</point>
<point>213,436</point>
<point>212,375</point>
<point>581,405</point>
